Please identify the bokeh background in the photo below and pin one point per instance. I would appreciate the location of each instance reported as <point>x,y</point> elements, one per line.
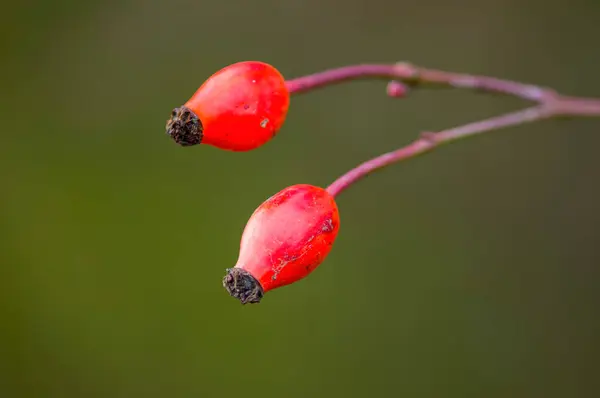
<point>469,272</point>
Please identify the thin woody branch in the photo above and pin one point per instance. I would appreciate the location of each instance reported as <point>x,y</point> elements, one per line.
<point>418,76</point>
<point>550,104</point>
<point>429,140</point>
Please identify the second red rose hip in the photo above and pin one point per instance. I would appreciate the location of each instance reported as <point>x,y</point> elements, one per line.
<point>287,237</point>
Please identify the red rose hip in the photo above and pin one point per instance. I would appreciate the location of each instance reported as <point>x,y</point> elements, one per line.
<point>239,108</point>
<point>287,237</point>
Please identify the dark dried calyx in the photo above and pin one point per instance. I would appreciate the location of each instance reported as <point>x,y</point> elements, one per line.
<point>243,286</point>
<point>184,127</point>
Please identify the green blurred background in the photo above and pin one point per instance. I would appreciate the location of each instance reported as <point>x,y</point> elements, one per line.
<point>469,272</point>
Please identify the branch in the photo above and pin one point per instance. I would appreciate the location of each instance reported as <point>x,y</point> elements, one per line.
<point>550,104</point>
<point>429,141</point>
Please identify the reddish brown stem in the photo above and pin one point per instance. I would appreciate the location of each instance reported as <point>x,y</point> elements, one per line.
<point>429,141</point>
<point>549,104</point>
<point>414,75</point>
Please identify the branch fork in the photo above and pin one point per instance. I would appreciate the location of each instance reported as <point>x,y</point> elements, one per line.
<point>404,76</point>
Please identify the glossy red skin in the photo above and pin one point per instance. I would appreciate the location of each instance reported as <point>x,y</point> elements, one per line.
<point>289,235</point>
<point>242,106</point>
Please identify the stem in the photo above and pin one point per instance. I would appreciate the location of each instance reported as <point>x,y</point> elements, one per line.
<point>415,75</point>
<point>550,104</point>
<point>429,141</point>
